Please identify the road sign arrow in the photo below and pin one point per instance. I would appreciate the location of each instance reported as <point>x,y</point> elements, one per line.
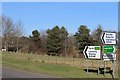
<point>85,52</point>
<point>103,38</point>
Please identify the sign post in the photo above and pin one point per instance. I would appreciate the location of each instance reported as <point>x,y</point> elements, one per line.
<point>98,67</point>
<point>108,50</point>
<point>104,67</point>
<point>93,52</point>
<point>113,68</point>
<point>109,55</point>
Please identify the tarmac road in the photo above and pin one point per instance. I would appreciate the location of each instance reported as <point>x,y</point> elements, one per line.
<point>15,73</point>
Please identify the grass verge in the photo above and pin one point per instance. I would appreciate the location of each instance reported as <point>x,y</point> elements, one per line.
<point>59,70</point>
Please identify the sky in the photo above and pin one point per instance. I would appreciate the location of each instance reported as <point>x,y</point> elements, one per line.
<point>60,0</point>
<point>45,15</point>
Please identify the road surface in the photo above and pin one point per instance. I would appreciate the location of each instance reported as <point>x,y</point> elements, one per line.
<point>15,73</point>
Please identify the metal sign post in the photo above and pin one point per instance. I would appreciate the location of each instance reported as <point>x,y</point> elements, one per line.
<point>87,66</point>
<point>113,68</point>
<point>110,39</point>
<point>104,68</point>
<point>93,52</point>
<point>98,67</point>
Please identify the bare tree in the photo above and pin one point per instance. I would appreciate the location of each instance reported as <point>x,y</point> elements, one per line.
<point>11,32</point>
<point>43,41</point>
<point>96,35</point>
<point>7,30</point>
<point>19,32</point>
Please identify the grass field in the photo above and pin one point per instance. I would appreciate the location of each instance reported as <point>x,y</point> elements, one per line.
<point>58,66</point>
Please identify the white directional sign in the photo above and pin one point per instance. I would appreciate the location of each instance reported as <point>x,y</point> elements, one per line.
<point>92,52</point>
<point>107,57</point>
<point>108,38</point>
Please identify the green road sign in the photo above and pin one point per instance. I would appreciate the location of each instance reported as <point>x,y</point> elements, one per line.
<point>109,49</point>
<point>97,48</point>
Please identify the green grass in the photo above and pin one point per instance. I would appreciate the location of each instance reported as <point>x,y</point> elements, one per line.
<point>20,61</point>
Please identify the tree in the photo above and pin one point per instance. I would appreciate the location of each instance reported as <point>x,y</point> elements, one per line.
<point>26,44</point>
<point>36,39</point>
<point>35,35</point>
<point>56,40</point>
<point>8,31</point>
<point>71,48</point>
<point>53,41</point>
<point>82,37</point>
<point>43,41</point>
<point>96,34</point>
<point>19,32</point>
<point>63,37</point>
<point>11,32</point>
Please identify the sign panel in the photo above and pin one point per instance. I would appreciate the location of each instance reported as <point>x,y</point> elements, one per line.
<point>109,52</point>
<point>92,52</point>
<point>109,49</point>
<point>107,57</point>
<point>108,38</point>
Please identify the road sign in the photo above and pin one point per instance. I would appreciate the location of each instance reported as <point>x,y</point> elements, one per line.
<point>109,49</point>
<point>108,38</point>
<point>109,52</point>
<point>107,57</point>
<point>92,52</point>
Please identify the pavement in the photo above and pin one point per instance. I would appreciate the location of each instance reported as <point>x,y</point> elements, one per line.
<point>8,72</point>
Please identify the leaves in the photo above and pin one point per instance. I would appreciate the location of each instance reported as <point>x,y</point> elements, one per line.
<point>96,34</point>
<point>82,37</point>
<point>36,39</point>
<point>56,39</point>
